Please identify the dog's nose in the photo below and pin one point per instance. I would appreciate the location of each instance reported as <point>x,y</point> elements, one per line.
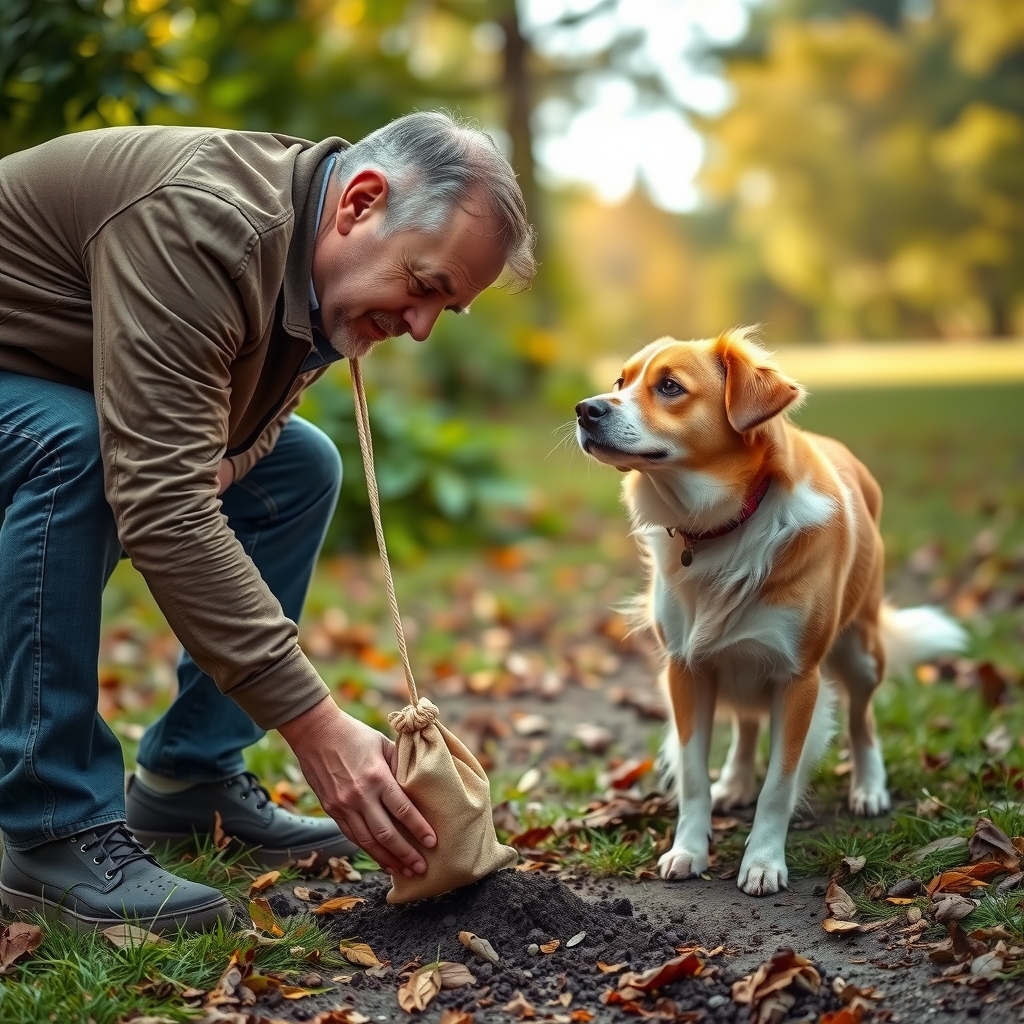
<point>592,409</point>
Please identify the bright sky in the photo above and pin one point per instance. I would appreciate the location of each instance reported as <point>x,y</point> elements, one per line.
<point>612,135</point>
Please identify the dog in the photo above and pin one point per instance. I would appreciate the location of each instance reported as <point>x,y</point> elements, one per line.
<point>766,585</point>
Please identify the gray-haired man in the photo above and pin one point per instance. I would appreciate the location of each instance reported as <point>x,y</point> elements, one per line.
<point>166,294</point>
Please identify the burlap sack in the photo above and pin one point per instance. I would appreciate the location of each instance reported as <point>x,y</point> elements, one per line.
<point>447,784</point>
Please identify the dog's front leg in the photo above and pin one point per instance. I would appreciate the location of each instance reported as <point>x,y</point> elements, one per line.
<point>686,749</point>
<point>763,870</point>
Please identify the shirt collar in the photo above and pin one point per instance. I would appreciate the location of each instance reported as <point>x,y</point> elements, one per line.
<point>314,303</point>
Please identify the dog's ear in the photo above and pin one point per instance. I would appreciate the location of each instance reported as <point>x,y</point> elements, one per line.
<point>754,393</point>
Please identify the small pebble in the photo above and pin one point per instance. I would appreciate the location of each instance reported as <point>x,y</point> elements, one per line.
<point>450,921</point>
<point>715,1001</point>
<point>533,949</point>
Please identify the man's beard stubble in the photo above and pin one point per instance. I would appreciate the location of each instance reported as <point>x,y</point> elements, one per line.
<point>353,344</point>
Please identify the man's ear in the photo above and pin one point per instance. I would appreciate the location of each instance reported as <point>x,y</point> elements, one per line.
<point>366,193</point>
<point>754,394</point>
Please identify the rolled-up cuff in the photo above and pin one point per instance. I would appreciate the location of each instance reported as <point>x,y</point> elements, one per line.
<point>281,693</point>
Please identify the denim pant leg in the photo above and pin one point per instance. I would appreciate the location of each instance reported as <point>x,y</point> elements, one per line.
<point>61,768</point>
<point>280,512</point>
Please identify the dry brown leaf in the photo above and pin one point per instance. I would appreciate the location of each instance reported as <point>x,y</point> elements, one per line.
<point>786,968</point>
<point>130,935</point>
<point>952,907</point>
<point>688,966</point>
<point>338,904</point>
<point>629,773</point>
<point>898,901</point>
<point>455,975</point>
<point>610,968</point>
<point>16,941</point>
<point>563,1000</point>
<point>519,1006</point>
<point>344,1015</point>
<point>855,864</point>
<point>532,837</point>
<point>839,903</point>
<point>990,842</point>
<point>265,881</point>
<point>549,947</point>
<point>479,947</point>
<point>847,1015</point>
<point>221,841</point>
<point>581,1016</point>
<point>238,969</point>
<point>451,1016</point>
<point>957,881</point>
<point>342,870</point>
<point>838,927</point>
<point>420,988</point>
<point>359,953</point>
<point>263,918</point>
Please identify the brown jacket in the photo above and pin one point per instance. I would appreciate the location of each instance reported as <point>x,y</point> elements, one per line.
<point>167,270</point>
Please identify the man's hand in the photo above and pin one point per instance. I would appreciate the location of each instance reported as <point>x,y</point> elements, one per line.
<point>351,769</point>
<point>225,475</point>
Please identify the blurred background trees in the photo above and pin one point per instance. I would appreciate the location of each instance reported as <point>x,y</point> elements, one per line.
<point>858,174</point>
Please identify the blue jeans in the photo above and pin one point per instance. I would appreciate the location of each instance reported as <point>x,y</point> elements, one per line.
<point>61,768</point>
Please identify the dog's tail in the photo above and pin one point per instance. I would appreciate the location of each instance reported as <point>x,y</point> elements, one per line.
<point>913,635</point>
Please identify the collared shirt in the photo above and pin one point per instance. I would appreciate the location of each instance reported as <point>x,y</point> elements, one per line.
<point>324,353</point>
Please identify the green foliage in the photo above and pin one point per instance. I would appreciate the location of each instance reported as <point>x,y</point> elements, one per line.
<point>439,477</point>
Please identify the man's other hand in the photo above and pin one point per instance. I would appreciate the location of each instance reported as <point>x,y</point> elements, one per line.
<point>225,475</point>
<point>351,768</point>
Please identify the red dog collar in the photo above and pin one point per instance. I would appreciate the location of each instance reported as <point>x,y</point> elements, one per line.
<point>750,506</point>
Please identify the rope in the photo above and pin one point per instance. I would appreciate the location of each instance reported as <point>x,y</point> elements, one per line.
<point>366,448</point>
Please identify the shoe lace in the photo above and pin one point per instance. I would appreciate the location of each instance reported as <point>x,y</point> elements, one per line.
<point>117,844</point>
<point>251,787</point>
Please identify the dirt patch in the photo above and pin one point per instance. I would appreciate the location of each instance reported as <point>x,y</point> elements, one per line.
<point>517,912</point>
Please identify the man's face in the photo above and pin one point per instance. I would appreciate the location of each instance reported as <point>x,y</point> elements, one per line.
<point>372,288</point>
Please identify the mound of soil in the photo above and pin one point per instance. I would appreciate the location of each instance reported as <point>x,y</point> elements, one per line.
<point>517,912</point>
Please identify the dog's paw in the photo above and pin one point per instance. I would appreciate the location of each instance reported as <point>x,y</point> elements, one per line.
<point>762,876</point>
<point>729,793</point>
<point>681,863</point>
<point>869,800</point>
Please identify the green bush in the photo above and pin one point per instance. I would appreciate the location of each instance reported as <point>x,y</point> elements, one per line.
<point>440,479</point>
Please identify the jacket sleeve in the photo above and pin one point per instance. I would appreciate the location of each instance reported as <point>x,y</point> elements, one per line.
<point>168,319</point>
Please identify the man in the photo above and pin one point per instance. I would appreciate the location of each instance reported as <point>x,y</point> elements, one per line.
<point>165,296</point>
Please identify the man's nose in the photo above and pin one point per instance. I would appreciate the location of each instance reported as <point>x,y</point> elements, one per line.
<point>421,321</point>
<point>592,409</point>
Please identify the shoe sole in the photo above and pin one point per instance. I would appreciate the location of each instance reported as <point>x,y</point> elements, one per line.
<point>262,855</point>
<point>198,919</point>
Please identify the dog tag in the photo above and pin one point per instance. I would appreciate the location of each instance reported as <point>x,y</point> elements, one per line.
<point>687,556</point>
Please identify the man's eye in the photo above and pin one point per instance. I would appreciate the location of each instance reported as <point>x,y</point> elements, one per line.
<point>670,388</point>
<point>422,287</point>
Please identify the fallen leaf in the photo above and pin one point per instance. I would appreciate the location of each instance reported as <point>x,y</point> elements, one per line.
<point>455,975</point>
<point>898,901</point>
<point>839,903</point>
<point>478,946</point>
<point>342,870</point>
<point>549,947</point>
<point>532,837</point>
<point>847,1015</point>
<point>302,893</point>
<point>562,1000</point>
<point>839,927</point>
<point>520,1006</point>
<point>238,969</point>
<point>16,941</point>
<point>338,904</point>
<point>130,936</point>
<point>531,725</point>
<point>946,844</point>
<point>221,841</point>
<point>340,1016</point>
<point>998,742</point>
<point>420,989</point>
<point>263,918</point>
<point>688,966</point>
<point>629,773</point>
<point>451,1016</point>
<point>784,969</point>
<point>988,965</point>
<point>581,1016</point>
<point>951,907</point>
<point>595,739</point>
<point>611,968</point>
<point>529,780</point>
<point>958,881</point>
<point>359,953</point>
<point>265,881</point>
<point>990,842</point>
<point>855,864</point>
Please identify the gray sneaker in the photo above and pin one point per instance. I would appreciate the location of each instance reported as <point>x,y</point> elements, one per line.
<point>104,877</point>
<point>273,835</point>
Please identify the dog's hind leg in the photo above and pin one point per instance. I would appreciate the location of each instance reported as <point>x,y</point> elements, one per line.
<point>737,784</point>
<point>685,754</point>
<point>858,660</point>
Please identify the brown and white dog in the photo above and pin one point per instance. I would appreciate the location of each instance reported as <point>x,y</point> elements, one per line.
<point>765,584</point>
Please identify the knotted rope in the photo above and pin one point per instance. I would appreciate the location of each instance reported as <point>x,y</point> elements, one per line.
<point>366,448</point>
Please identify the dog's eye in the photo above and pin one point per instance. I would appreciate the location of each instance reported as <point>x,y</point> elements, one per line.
<point>670,388</point>
<point>618,384</point>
